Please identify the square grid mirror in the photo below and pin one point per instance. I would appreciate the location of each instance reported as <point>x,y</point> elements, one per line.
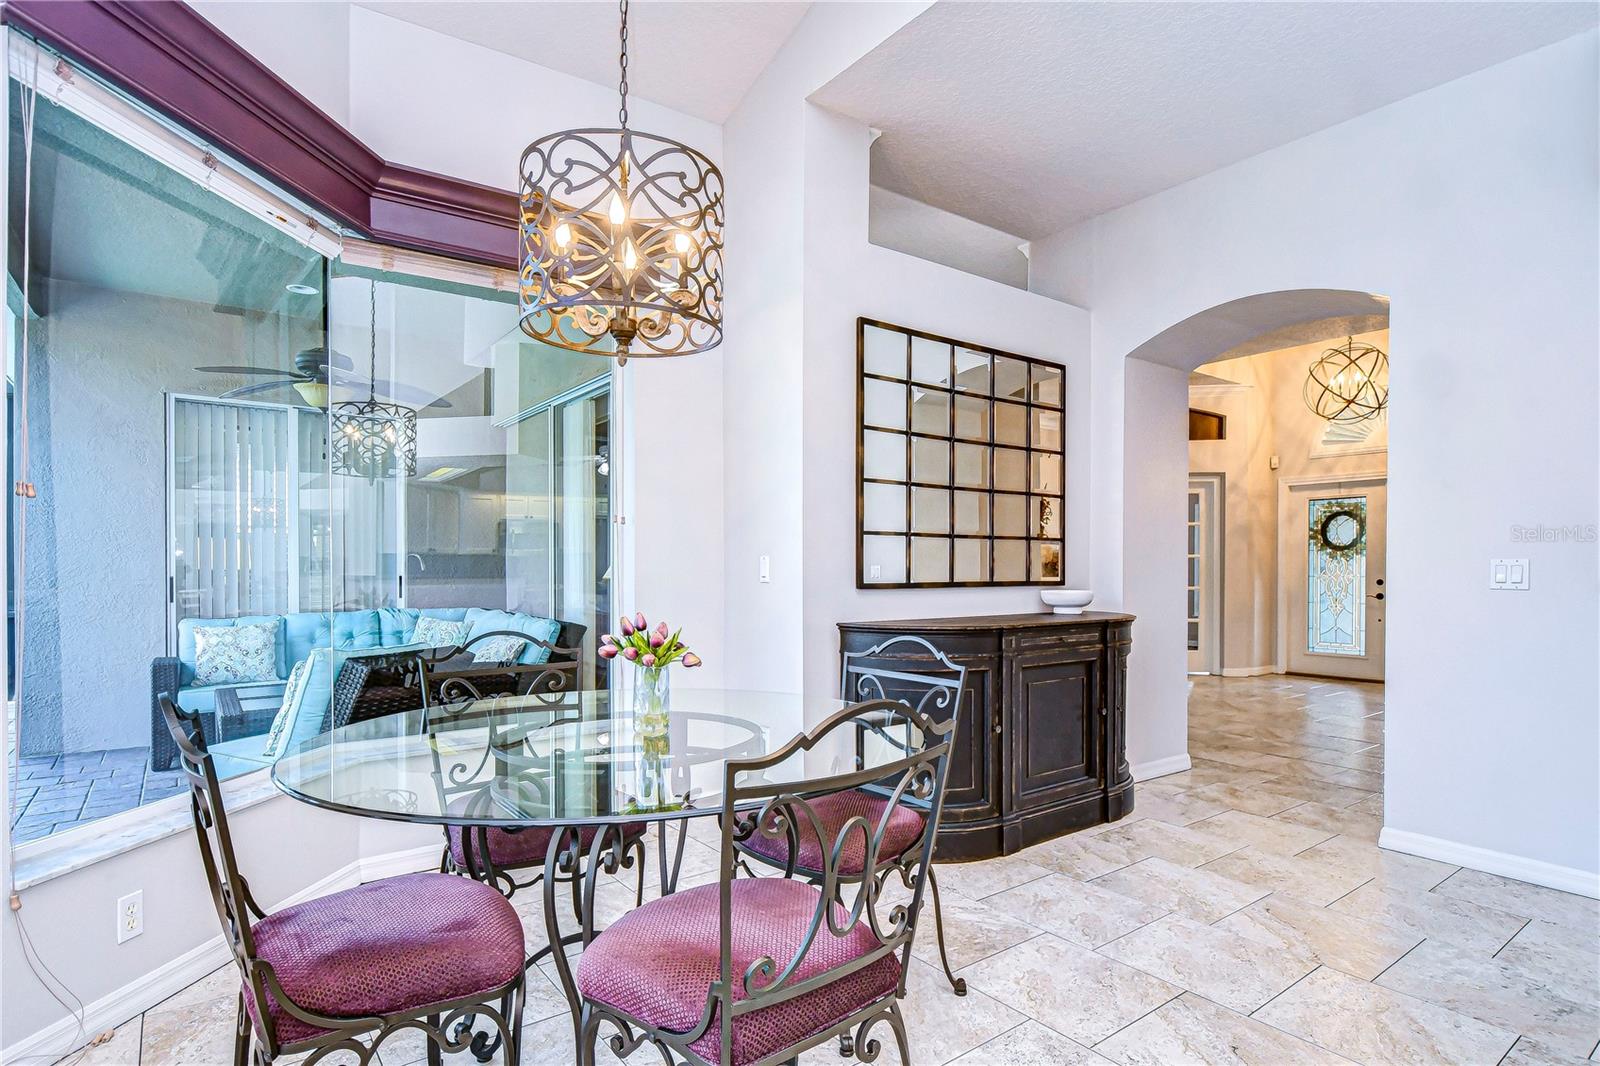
<point>959,463</point>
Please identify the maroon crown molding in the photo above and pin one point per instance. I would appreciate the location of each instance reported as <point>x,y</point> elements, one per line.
<point>172,59</point>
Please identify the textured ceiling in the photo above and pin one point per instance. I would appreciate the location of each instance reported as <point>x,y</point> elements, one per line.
<point>1033,117</point>
<point>698,58</point>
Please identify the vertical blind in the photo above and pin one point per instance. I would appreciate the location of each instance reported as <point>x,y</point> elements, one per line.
<point>231,513</point>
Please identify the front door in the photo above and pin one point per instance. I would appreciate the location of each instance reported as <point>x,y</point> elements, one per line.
<point>1333,547</point>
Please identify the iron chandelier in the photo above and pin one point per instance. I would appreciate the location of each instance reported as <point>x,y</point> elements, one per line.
<point>371,438</point>
<point>621,237</point>
<point>1349,383</point>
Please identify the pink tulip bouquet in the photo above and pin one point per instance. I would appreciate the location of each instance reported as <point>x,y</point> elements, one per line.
<point>652,650</point>
<point>646,647</point>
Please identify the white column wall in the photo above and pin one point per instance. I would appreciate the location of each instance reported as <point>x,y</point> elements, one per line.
<point>1480,225</point>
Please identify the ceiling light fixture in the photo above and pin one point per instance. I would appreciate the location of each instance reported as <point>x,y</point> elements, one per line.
<point>1349,383</point>
<point>621,237</point>
<point>370,438</point>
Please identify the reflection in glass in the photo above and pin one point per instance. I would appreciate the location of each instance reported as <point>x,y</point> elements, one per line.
<point>884,404</point>
<point>1010,516</point>
<point>883,560</point>
<point>1044,517</point>
<point>1047,429</point>
<point>1045,558</point>
<point>884,507</point>
<point>883,352</point>
<point>930,559</point>
<point>930,411</point>
<point>1010,560</point>
<point>972,465</point>
<point>930,361</point>
<point>1010,424</point>
<point>972,513</point>
<point>972,371</point>
<point>1046,472</point>
<point>1010,379</point>
<point>1047,385</point>
<point>1010,470</point>
<point>972,417</point>
<point>884,455</point>
<point>930,510</point>
<point>971,560</point>
<point>930,461</point>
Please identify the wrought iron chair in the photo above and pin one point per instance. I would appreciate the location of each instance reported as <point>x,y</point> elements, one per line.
<point>450,675</point>
<point>759,969</point>
<point>935,690</point>
<point>342,973</point>
<point>492,854</point>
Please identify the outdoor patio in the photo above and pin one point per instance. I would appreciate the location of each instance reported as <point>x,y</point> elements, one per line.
<point>59,792</point>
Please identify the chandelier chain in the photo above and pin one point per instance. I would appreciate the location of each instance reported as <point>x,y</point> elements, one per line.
<point>372,342</point>
<point>622,85</point>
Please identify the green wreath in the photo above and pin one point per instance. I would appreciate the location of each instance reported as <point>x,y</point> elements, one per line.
<point>1330,513</point>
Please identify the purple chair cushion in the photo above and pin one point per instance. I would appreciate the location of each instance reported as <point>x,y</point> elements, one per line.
<point>389,946</point>
<point>510,850</point>
<point>833,811</point>
<point>657,963</point>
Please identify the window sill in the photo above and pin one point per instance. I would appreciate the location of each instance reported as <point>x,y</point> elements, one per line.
<point>43,860</point>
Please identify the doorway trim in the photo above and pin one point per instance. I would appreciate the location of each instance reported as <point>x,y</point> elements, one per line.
<point>1286,485</point>
<point>1212,578</point>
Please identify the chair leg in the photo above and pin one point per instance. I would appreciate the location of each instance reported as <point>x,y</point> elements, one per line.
<point>435,1053</point>
<point>519,1002</point>
<point>898,1024</point>
<point>241,1035</point>
<point>588,1036</point>
<point>958,984</point>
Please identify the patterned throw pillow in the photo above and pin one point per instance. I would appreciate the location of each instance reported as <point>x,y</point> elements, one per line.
<point>438,633</point>
<point>499,650</point>
<point>299,674</point>
<point>225,655</point>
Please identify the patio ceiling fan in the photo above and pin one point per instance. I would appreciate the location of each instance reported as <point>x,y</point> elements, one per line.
<point>316,370</point>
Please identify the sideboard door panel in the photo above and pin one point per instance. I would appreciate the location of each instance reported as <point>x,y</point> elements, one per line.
<point>1057,751</point>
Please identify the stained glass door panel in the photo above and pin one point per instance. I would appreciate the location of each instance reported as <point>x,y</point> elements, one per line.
<point>1336,592</point>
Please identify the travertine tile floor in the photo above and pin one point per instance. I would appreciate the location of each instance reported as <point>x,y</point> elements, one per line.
<point>1243,915</point>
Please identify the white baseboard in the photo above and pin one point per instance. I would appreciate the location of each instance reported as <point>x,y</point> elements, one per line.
<point>1249,671</point>
<point>409,861</point>
<point>1172,764</point>
<point>1516,867</point>
<point>137,996</point>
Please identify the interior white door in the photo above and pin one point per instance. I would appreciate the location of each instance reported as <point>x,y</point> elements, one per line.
<point>1332,540</point>
<point>1202,595</point>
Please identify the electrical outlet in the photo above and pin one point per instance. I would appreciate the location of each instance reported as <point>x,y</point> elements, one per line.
<point>130,916</point>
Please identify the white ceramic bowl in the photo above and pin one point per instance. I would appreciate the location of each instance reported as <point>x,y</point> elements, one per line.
<point>1067,601</point>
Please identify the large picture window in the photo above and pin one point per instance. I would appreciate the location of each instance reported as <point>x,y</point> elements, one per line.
<point>186,357</point>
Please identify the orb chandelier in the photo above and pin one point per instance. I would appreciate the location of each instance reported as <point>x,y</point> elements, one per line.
<point>621,236</point>
<point>371,438</point>
<point>1349,383</point>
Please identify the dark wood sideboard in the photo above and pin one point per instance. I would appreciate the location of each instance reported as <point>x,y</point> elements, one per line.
<point>1040,745</point>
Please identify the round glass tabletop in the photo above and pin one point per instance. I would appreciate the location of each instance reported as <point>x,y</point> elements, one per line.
<point>528,761</point>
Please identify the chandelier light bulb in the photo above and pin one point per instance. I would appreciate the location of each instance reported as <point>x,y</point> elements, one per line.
<point>682,243</point>
<point>619,212</point>
<point>630,257</point>
<point>563,236</point>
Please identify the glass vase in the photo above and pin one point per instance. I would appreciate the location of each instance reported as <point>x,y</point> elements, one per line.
<point>652,700</point>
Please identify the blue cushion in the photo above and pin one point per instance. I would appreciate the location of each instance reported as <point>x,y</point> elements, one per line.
<point>545,629</point>
<point>202,699</point>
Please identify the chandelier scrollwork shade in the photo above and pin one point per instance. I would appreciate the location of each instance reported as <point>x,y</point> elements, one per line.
<point>372,438</point>
<point>621,236</point>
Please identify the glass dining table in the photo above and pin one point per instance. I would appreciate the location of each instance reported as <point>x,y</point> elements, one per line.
<point>582,765</point>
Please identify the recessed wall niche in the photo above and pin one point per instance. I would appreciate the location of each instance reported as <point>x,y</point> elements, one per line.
<point>959,463</point>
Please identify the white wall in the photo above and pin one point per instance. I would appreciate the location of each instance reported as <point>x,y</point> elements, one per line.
<point>894,287</point>
<point>1480,226</point>
<point>307,44</point>
<point>915,228</point>
<point>764,352</point>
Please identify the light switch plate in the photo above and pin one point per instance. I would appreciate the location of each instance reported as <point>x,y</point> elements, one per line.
<point>766,569</point>
<point>1510,574</point>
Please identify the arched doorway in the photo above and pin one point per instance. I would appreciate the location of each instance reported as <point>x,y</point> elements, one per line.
<point>1282,527</point>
